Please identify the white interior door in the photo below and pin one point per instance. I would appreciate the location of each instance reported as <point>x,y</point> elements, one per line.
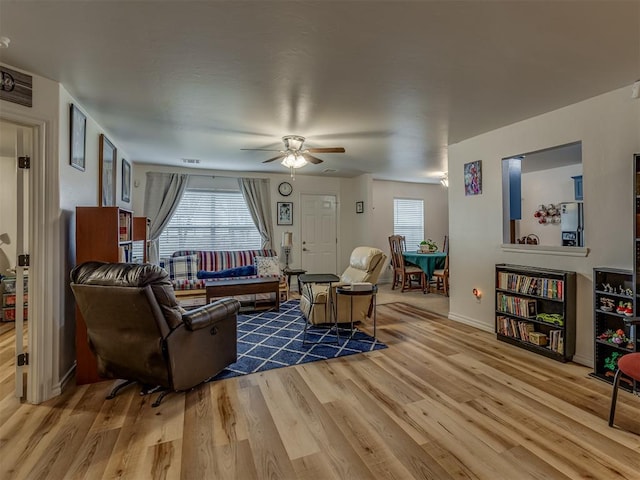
<point>15,142</point>
<point>319,233</point>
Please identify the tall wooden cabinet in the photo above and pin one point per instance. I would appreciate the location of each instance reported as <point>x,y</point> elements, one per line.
<point>104,234</point>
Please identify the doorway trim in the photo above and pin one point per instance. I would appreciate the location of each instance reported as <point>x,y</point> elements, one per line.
<point>43,342</point>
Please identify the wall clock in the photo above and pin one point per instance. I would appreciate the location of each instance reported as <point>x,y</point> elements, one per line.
<point>285,189</point>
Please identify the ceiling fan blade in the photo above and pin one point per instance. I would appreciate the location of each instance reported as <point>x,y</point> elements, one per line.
<point>274,158</point>
<point>263,149</point>
<point>326,150</point>
<point>311,158</point>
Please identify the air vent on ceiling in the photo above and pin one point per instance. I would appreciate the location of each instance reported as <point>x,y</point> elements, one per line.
<point>329,170</point>
<point>191,161</point>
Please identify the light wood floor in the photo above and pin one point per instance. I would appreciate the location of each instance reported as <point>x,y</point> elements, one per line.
<point>443,401</point>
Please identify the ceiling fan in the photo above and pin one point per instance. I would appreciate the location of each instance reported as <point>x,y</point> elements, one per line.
<point>294,155</point>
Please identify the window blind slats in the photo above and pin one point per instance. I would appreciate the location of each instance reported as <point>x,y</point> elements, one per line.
<point>210,220</point>
<point>408,220</point>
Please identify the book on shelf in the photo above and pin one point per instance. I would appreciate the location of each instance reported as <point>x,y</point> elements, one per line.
<point>542,287</point>
<point>522,307</point>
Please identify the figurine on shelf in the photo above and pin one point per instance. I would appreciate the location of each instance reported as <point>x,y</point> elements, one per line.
<point>607,304</point>
<point>621,292</point>
<point>607,288</point>
<point>628,310</point>
<point>628,292</point>
<point>621,308</point>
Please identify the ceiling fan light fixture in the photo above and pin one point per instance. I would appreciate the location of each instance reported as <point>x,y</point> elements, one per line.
<point>294,160</point>
<point>293,142</point>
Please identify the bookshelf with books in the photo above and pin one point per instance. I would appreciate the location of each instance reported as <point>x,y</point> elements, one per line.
<point>536,309</point>
<point>103,234</point>
<point>613,309</point>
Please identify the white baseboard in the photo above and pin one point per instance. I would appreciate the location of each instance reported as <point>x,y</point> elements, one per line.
<point>59,387</point>
<point>586,361</point>
<point>471,322</point>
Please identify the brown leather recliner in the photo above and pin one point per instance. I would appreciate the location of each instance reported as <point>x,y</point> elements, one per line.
<point>138,332</point>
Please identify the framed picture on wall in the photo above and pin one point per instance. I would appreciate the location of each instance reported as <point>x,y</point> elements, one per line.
<point>473,178</point>
<point>359,207</point>
<point>77,142</point>
<point>285,213</point>
<point>126,181</point>
<point>108,158</point>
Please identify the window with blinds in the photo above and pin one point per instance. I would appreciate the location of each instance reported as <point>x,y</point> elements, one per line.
<point>210,220</point>
<point>408,220</point>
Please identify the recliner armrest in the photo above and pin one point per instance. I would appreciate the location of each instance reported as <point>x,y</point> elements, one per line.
<point>207,315</point>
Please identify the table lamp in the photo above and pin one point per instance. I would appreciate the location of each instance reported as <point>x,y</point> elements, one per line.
<point>287,244</point>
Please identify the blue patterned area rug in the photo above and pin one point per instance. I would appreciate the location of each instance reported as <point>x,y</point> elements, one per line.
<point>271,339</point>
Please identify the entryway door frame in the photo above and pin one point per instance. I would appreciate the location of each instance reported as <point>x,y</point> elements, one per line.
<point>44,252</point>
<point>308,243</point>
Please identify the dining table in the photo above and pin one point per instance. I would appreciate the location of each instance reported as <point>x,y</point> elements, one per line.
<point>428,262</point>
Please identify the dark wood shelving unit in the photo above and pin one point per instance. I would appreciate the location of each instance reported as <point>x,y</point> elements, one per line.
<point>539,291</point>
<point>611,320</point>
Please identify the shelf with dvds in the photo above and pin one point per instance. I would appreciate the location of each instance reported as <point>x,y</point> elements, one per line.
<point>614,335</point>
<point>103,234</point>
<point>536,309</point>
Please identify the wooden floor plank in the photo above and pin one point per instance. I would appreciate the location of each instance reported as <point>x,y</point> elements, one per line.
<point>426,407</point>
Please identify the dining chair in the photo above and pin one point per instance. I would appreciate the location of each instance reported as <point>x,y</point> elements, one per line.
<point>629,365</point>
<point>404,274</point>
<point>441,278</point>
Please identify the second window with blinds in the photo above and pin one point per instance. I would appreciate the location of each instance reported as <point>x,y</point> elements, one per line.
<point>408,220</point>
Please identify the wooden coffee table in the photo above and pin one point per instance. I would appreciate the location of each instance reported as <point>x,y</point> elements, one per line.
<point>245,286</point>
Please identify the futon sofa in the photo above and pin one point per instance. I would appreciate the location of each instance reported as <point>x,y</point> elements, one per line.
<point>189,269</point>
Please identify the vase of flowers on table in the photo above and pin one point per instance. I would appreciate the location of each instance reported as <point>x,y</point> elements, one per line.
<point>428,246</point>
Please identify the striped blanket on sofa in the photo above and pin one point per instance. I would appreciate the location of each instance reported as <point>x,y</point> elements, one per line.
<point>183,265</point>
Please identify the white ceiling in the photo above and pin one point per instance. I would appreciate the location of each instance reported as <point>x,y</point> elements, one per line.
<point>393,82</point>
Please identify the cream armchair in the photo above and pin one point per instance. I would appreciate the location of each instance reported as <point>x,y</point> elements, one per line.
<point>365,265</point>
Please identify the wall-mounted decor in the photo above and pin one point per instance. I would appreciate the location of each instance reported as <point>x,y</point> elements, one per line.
<point>473,178</point>
<point>78,138</point>
<point>285,213</point>
<point>548,214</point>
<point>16,87</point>
<point>359,207</point>
<point>108,156</point>
<point>126,181</point>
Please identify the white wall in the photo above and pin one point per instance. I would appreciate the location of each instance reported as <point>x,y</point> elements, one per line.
<point>436,212</point>
<point>554,186</point>
<point>77,188</point>
<point>609,128</point>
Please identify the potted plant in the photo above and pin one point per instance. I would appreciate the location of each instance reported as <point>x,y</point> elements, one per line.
<point>428,246</point>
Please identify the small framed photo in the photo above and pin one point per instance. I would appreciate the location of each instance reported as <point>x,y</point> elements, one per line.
<point>473,178</point>
<point>77,142</point>
<point>126,181</point>
<point>359,207</point>
<point>285,213</point>
<point>108,157</point>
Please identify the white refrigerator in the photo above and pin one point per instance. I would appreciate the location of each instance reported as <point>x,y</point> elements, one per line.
<point>572,224</point>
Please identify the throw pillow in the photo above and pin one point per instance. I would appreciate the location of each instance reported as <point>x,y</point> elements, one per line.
<point>183,268</point>
<point>267,266</point>
<point>229,272</point>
